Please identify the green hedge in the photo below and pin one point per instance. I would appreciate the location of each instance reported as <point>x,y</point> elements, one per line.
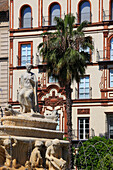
<point>95,153</point>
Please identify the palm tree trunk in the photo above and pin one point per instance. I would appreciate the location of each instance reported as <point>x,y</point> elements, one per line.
<point>69,122</point>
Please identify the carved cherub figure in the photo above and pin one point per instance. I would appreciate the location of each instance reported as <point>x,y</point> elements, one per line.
<point>36,158</point>
<point>54,156</point>
<point>5,157</point>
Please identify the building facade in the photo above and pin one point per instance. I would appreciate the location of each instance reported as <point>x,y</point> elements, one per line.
<point>4,38</point>
<point>92,108</point>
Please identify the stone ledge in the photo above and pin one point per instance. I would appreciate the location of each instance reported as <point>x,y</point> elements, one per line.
<point>30,132</point>
<point>27,121</point>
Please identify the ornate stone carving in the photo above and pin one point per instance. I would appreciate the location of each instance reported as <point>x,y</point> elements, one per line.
<point>52,115</point>
<point>83,111</point>
<point>28,91</point>
<point>36,159</point>
<point>5,157</point>
<point>53,100</point>
<point>54,159</point>
<point>9,111</point>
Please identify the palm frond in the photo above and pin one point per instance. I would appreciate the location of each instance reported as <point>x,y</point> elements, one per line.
<point>82,25</point>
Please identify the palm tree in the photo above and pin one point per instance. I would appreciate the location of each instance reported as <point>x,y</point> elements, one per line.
<point>65,62</point>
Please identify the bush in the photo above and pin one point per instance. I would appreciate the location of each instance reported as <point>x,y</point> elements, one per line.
<point>93,151</point>
<point>106,163</point>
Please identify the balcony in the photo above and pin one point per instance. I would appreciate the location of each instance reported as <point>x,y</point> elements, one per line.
<point>48,21</point>
<point>84,17</point>
<point>21,61</point>
<point>25,23</point>
<point>104,55</point>
<point>76,134</point>
<point>86,95</point>
<point>107,16</point>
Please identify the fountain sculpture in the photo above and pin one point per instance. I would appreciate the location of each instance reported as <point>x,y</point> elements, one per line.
<point>29,140</point>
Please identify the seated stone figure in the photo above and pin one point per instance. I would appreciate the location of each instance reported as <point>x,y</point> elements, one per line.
<point>5,157</point>
<point>2,155</point>
<point>28,91</point>
<point>54,159</point>
<point>36,159</point>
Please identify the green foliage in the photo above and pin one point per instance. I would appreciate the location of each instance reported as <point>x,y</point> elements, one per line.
<point>65,138</point>
<point>61,50</point>
<point>65,62</point>
<point>93,153</point>
<point>105,163</point>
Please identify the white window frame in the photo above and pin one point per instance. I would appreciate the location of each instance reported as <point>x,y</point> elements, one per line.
<point>84,128</point>
<point>26,56</point>
<point>84,88</point>
<point>111,78</point>
<point>111,49</point>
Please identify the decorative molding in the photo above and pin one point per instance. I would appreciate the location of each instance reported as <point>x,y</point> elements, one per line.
<point>46,91</point>
<point>53,101</point>
<point>83,111</point>
<point>106,32</point>
<point>110,94</point>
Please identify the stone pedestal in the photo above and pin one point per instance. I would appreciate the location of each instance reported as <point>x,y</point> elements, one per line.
<point>30,125</point>
<point>23,136</point>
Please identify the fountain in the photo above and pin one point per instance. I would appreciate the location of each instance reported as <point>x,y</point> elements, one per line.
<point>96,153</point>
<point>32,139</point>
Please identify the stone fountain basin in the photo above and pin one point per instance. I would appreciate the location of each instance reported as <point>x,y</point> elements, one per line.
<point>30,132</point>
<point>29,121</point>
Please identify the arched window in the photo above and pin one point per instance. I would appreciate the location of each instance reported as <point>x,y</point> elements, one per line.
<point>84,12</point>
<point>54,12</point>
<point>26,19</point>
<point>111,9</point>
<point>111,49</point>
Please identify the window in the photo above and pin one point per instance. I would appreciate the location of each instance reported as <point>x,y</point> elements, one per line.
<point>58,125</point>
<point>87,50</point>
<point>84,88</point>
<point>52,80</point>
<point>25,53</point>
<point>110,126</point>
<point>54,12</point>
<point>26,19</point>
<point>111,49</point>
<point>111,77</point>
<point>84,12</point>
<point>83,128</point>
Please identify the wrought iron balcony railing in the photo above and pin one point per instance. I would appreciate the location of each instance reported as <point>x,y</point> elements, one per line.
<point>104,55</point>
<point>25,22</point>
<point>49,21</point>
<point>77,135</point>
<point>107,16</point>
<point>22,60</point>
<point>87,16</point>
